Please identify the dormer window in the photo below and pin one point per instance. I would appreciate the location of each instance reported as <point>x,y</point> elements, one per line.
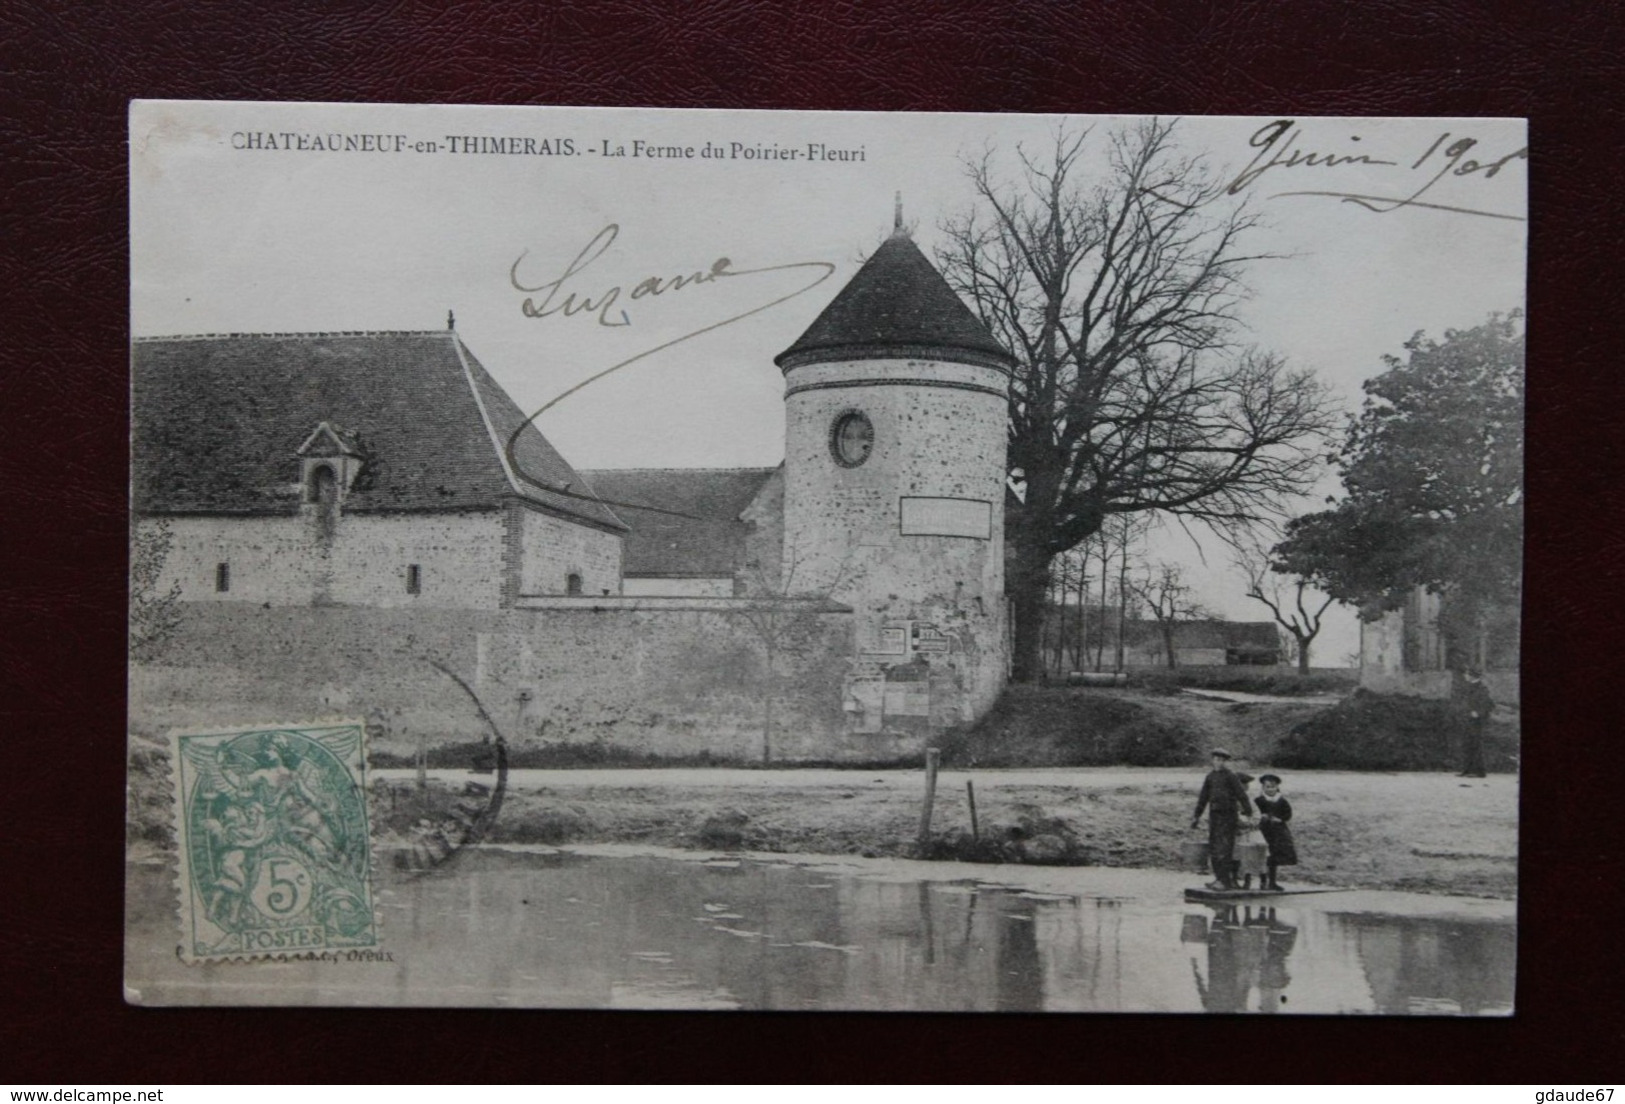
<point>329,461</point>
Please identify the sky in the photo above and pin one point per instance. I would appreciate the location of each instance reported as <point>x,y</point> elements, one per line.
<point>258,217</point>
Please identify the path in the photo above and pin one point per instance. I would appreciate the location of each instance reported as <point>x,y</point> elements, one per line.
<point>1343,784</point>
<point>1241,697</point>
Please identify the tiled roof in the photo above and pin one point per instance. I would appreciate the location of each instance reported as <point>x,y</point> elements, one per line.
<point>217,421</point>
<point>710,542</point>
<point>897,298</point>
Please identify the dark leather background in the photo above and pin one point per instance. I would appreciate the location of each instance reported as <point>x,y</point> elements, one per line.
<point>68,71</point>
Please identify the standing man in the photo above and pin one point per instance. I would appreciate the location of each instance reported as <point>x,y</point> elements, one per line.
<point>1476,707</point>
<point>1225,800</point>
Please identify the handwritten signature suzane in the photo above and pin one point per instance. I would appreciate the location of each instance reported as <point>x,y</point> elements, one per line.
<point>1280,145</point>
<point>560,298</point>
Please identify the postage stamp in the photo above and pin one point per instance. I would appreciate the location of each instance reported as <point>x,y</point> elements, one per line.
<point>275,850</point>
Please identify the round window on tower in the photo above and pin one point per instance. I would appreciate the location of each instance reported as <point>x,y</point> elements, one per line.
<point>851,438</point>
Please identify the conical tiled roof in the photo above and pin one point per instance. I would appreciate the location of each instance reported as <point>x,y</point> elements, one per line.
<point>897,300</point>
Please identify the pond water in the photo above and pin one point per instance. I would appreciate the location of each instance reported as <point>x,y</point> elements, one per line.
<point>605,929</point>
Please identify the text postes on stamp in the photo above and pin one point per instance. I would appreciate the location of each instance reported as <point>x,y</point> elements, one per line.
<point>275,850</point>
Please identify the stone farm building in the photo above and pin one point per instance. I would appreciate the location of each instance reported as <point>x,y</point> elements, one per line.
<point>343,526</point>
<point>1207,643</point>
<point>1405,651</point>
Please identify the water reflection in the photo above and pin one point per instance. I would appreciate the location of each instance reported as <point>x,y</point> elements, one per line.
<point>1436,966</point>
<point>509,928</point>
<point>1247,951</point>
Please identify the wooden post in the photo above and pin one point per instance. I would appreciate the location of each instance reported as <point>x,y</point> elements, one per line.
<point>970,791</point>
<point>932,755</point>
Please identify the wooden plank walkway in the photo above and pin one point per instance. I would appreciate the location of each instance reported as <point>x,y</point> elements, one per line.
<point>1243,895</point>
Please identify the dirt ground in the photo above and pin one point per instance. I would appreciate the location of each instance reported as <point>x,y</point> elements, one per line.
<point>1431,833</point>
<point>1422,831</point>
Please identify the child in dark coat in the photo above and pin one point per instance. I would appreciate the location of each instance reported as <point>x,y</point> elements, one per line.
<point>1274,820</point>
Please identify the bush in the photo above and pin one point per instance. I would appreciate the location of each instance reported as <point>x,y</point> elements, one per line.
<point>150,808</point>
<point>1382,733</point>
<point>724,830</point>
<point>1034,837</point>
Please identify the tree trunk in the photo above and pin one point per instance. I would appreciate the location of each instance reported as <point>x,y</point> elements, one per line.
<point>1083,620</point>
<point>1058,651</point>
<point>1122,604</point>
<point>1105,575</point>
<point>1303,656</point>
<point>1029,585</point>
<point>767,712</point>
<point>1168,644</point>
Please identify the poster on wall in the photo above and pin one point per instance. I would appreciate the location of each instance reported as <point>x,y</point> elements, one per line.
<point>775,560</point>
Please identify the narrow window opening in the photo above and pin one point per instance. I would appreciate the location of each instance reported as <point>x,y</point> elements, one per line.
<point>324,492</point>
<point>414,579</point>
<point>572,584</point>
<point>222,577</point>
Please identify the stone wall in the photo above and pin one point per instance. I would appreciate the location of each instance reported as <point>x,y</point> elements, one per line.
<point>287,561</point>
<point>644,586</point>
<point>554,549</point>
<point>643,676</point>
<point>364,559</point>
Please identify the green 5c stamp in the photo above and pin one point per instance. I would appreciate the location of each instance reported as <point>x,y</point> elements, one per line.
<point>275,852</point>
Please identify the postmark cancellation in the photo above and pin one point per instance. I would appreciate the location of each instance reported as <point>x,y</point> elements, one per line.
<point>275,849</point>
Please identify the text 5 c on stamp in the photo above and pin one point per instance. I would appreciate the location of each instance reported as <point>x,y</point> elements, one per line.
<point>275,851</point>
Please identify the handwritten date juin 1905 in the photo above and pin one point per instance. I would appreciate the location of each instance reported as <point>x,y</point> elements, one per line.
<point>1280,145</point>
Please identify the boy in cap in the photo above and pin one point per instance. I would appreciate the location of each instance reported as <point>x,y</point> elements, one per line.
<point>1225,800</point>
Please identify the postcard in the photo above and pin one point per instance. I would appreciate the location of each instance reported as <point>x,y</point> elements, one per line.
<point>623,558</point>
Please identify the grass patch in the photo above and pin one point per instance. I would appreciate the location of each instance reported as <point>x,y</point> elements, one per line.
<point>1039,726</point>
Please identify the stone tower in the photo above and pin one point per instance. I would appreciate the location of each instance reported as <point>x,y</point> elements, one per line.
<point>895,409</point>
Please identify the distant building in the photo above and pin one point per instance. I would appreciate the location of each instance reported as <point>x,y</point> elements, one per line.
<point>1406,651</point>
<point>1204,643</point>
<point>1196,643</point>
<point>707,532</point>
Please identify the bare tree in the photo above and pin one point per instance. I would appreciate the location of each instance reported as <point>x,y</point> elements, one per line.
<point>1064,616</point>
<point>1131,392</point>
<point>1168,600</point>
<point>1298,608</point>
<point>1112,545</point>
<point>155,614</point>
<point>787,623</point>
